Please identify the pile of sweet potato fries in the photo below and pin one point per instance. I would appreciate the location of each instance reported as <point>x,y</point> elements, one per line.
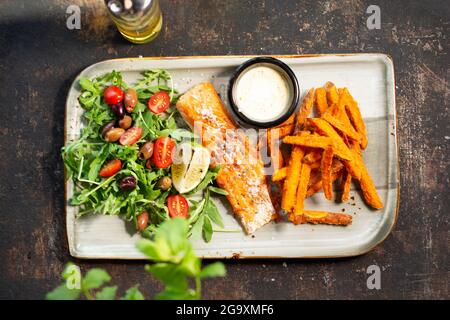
<point>324,149</point>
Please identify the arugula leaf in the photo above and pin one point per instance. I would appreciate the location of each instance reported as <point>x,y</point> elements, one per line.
<point>97,163</point>
<point>207,229</point>
<point>212,213</point>
<point>218,190</point>
<point>89,86</point>
<point>196,230</point>
<point>182,134</point>
<point>208,179</point>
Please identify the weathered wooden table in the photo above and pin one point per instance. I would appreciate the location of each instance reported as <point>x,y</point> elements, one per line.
<point>40,56</point>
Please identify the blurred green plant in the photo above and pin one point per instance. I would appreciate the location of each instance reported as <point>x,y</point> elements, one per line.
<point>174,264</point>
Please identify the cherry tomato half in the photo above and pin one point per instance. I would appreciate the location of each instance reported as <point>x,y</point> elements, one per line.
<point>131,136</point>
<point>110,168</point>
<point>159,102</point>
<point>163,150</point>
<point>113,95</point>
<point>178,206</point>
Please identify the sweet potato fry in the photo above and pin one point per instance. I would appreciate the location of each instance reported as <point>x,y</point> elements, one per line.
<point>315,184</point>
<point>346,183</point>
<point>369,191</point>
<point>325,167</point>
<point>305,110</point>
<point>293,172</point>
<point>312,157</point>
<point>280,132</point>
<point>342,126</point>
<point>291,182</point>
<point>302,189</point>
<point>327,130</point>
<point>332,93</point>
<point>289,121</point>
<point>279,174</point>
<point>315,165</point>
<point>314,178</point>
<point>354,114</point>
<point>321,101</point>
<point>322,217</point>
<point>316,141</point>
<point>367,186</point>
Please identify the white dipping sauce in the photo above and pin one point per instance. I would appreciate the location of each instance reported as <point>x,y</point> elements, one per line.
<point>262,94</point>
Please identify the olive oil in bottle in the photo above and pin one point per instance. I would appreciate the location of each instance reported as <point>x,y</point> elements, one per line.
<point>139,21</point>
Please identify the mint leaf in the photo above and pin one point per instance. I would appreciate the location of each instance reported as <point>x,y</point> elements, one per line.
<point>95,278</point>
<point>107,293</point>
<point>175,232</point>
<point>133,294</point>
<point>170,274</point>
<point>216,269</point>
<point>174,293</point>
<point>148,248</point>
<point>63,293</point>
<point>190,264</point>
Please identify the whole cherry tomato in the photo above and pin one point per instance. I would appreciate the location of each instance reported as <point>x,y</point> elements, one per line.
<point>113,95</point>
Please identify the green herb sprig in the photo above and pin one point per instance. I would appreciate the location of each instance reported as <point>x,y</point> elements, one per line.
<point>175,263</point>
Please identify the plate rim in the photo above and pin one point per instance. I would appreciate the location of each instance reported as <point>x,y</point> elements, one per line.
<point>387,60</point>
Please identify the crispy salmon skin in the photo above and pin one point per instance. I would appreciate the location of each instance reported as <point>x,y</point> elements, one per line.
<point>242,173</point>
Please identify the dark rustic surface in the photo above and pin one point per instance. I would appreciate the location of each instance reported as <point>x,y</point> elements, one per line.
<point>40,57</point>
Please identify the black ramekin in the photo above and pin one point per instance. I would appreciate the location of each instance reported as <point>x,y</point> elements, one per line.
<point>295,94</point>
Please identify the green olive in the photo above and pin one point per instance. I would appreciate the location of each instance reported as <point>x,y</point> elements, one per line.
<point>164,183</point>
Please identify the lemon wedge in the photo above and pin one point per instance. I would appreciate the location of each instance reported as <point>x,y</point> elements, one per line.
<point>190,166</point>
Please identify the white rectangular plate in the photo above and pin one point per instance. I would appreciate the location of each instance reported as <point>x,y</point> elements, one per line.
<point>370,79</point>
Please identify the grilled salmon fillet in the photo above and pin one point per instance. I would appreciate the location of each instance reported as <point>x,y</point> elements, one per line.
<point>242,172</point>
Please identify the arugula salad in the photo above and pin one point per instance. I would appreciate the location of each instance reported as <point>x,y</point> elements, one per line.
<point>133,160</point>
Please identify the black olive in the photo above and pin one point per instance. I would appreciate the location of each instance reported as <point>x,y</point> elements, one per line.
<point>128,183</point>
<point>118,109</point>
